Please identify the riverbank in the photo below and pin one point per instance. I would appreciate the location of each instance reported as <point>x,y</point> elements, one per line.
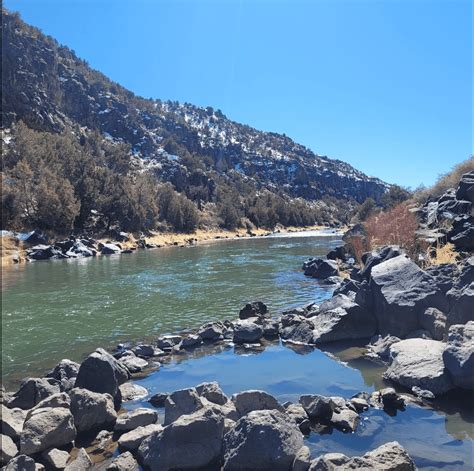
<point>14,250</point>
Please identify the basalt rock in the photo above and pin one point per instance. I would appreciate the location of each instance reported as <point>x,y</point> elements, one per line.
<point>32,391</point>
<point>248,401</point>
<point>254,309</point>
<point>319,268</point>
<point>140,417</point>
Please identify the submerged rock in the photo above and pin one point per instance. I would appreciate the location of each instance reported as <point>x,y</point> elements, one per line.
<point>419,362</point>
<point>262,440</point>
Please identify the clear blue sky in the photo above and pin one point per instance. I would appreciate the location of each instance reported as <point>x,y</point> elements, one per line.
<point>384,85</point>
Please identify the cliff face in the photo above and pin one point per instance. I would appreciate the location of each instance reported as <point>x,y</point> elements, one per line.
<point>50,89</point>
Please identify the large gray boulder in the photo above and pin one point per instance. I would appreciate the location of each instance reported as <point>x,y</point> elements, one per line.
<point>212,392</point>
<point>55,458</point>
<point>20,463</point>
<point>181,402</point>
<point>461,300</point>
<point>11,421</point>
<point>389,457</point>
<point>401,293</point>
<point>297,329</point>
<point>255,309</point>
<point>136,418</point>
<point>321,269</point>
<point>434,321</point>
<point>100,372</point>
<point>92,411</point>
<point>123,462</point>
<point>8,449</point>
<point>318,407</point>
<point>419,362</point>
<point>192,441</point>
<point>65,372</point>
<point>56,400</point>
<point>132,440</point>
<point>262,440</point>
<point>376,257</point>
<point>32,391</point>
<point>253,400</point>
<point>247,332</point>
<point>379,347</point>
<point>82,462</point>
<point>465,189</point>
<point>47,428</point>
<point>459,355</point>
<point>342,319</point>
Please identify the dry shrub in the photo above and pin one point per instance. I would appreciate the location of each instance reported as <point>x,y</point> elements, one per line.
<point>442,254</point>
<point>357,246</point>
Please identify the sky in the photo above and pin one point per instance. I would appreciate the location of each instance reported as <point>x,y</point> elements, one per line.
<point>385,85</point>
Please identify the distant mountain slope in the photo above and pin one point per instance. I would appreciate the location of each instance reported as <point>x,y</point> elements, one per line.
<point>50,89</point>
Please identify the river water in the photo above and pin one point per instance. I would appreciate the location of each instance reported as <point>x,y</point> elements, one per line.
<point>65,309</point>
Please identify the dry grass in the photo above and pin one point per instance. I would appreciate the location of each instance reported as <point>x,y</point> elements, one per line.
<point>442,254</point>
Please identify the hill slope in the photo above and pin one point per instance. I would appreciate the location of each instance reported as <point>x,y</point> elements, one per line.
<point>48,88</point>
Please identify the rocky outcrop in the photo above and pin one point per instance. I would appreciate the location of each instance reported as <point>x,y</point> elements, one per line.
<point>262,440</point>
<point>419,362</point>
<point>459,355</point>
<point>319,268</point>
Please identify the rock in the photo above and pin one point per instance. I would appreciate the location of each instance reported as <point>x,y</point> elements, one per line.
<point>81,463</point>
<point>136,418</point>
<point>419,334</point>
<point>389,399</point>
<point>168,341</point>
<point>271,328</point>
<point>465,189</point>
<point>212,392</point>
<point>419,362</point>
<point>158,399</point>
<point>144,350</point>
<point>212,331</point>
<point>132,440</point>
<point>110,249</point>
<point>459,355</point>
<point>65,372</point>
<point>181,402</point>
<point>302,459</point>
<point>123,462</point>
<point>357,230</point>
<point>376,257</point>
<point>462,304</point>
<point>318,407</point>
<point>338,253</point>
<point>32,391</point>
<point>47,428</point>
<point>20,463</point>
<point>247,332</point>
<point>133,363</point>
<point>319,268</point>
<point>379,346</point>
<point>56,400</point>
<point>359,404</point>
<point>8,449</point>
<point>100,372</point>
<point>55,459</point>
<point>262,440</point>
<point>36,237</point>
<point>389,457</point>
<point>255,309</point>
<point>78,249</point>
<point>131,391</point>
<point>299,332</point>
<point>444,275</point>
<point>341,319</point>
<point>45,252</point>
<point>462,233</point>
<point>434,321</point>
<point>422,393</point>
<point>300,417</point>
<point>401,292</point>
<point>191,442</point>
<point>345,419</point>
<point>191,341</point>
<point>11,421</point>
<point>253,400</point>
<point>91,410</point>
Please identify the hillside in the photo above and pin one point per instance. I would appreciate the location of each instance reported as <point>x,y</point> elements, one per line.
<point>201,152</point>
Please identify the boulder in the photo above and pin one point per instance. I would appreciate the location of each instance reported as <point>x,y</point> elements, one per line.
<point>379,346</point>
<point>132,440</point>
<point>181,402</point>
<point>255,309</point>
<point>271,327</point>
<point>338,253</point>
<point>144,350</point>
<point>81,463</point>
<point>461,300</point>
<point>342,319</point>
<point>253,400</point>
<point>376,257</point>
<point>131,391</point>
<point>191,341</point>
<point>78,249</point>
<point>212,392</point>
<point>55,459</point>
<point>45,252</point>
<point>192,441</point>
<point>459,355</point>
<point>389,457</point>
<point>302,459</point>
<point>110,249</point>
<point>123,462</point>
<point>444,275</point>
<point>8,449</point>
<point>20,463</point>
<point>300,332</point>
<point>318,407</point>
<point>47,428</point>
<point>212,331</point>
<point>462,233</point>
<point>11,421</point>
<point>136,418</point>
<point>100,372</point>
<point>419,362</point>
<point>247,332</point>
<point>65,372</point>
<point>345,419</point>
<point>91,410</point>
<point>319,268</point>
<point>434,321</point>
<point>158,399</point>
<point>32,391</point>
<point>401,292</point>
<point>56,400</point>
<point>300,417</point>
<point>133,363</point>
<point>465,190</point>
<point>262,440</point>
<point>167,342</point>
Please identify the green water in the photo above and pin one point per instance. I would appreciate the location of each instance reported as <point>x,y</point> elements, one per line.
<point>66,308</point>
